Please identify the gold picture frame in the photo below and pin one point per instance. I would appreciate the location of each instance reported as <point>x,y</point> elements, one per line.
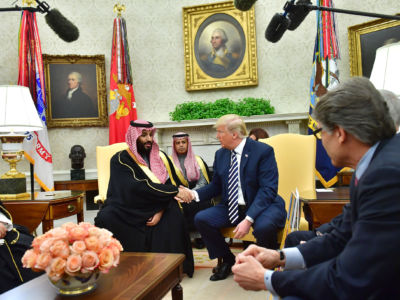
<point>75,90</point>
<point>365,39</point>
<point>237,65</point>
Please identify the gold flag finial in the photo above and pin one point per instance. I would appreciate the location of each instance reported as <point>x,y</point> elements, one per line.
<point>28,2</point>
<point>118,8</point>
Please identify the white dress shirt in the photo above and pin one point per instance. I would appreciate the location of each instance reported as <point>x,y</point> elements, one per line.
<point>238,150</point>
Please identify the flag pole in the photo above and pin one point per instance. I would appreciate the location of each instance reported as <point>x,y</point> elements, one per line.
<point>32,182</point>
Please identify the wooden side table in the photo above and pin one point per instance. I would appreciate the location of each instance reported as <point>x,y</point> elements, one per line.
<point>344,178</point>
<point>145,276</point>
<point>90,187</point>
<point>327,206</point>
<point>47,207</point>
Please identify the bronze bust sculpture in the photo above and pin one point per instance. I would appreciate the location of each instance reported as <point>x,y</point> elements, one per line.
<point>77,156</point>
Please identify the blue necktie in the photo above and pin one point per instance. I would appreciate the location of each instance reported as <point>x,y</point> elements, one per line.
<point>233,189</point>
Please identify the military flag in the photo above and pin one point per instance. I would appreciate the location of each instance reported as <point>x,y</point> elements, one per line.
<point>325,76</point>
<point>122,100</point>
<point>36,145</point>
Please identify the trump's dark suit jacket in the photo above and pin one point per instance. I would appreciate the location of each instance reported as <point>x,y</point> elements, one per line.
<point>361,258</point>
<point>258,177</point>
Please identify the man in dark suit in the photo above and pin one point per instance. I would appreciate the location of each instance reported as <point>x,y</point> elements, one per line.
<point>254,202</point>
<point>296,237</point>
<point>359,258</point>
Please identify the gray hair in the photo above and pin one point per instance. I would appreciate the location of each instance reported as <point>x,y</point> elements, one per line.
<point>393,103</point>
<point>358,108</point>
<point>233,123</point>
<point>77,75</point>
<point>222,33</point>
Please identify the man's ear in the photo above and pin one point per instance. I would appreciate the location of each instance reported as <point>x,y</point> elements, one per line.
<point>341,134</point>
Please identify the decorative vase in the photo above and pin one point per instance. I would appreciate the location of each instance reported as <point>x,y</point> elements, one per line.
<point>76,285</point>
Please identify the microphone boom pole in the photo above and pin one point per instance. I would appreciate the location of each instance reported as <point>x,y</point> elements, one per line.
<point>42,7</point>
<point>19,8</point>
<point>350,12</point>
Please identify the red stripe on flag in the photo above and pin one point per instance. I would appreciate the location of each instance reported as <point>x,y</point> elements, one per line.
<point>42,151</point>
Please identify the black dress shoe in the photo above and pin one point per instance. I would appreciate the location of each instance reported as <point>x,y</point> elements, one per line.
<point>223,271</point>
<point>215,269</point>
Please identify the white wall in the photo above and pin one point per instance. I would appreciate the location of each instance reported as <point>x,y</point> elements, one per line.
<point>155,37</point>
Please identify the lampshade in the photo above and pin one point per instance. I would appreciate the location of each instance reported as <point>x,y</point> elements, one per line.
<point>17,110</point>
<point>386,70</point>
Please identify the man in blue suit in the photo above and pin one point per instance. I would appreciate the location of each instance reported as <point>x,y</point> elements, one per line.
<point>359,258</point>
<point>258,204</point>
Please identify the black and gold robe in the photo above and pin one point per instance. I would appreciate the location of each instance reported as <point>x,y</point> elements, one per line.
<point>192,208</point>
<point>16,242</point>
<point>133,197</point>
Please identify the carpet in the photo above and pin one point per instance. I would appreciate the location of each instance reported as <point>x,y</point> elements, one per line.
<point>201,259</point>
<point>201,288</point>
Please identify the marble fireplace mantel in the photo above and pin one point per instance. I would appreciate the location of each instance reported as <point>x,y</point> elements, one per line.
<point>202,133</point>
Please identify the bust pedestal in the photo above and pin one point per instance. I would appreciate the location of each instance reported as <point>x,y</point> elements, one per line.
<point>78,174</point>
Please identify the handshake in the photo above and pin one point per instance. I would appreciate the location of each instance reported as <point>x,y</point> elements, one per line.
<point>185,195</point>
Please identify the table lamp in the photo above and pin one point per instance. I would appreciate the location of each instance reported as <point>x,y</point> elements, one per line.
<point>18,116</point>
<point>386,70</point>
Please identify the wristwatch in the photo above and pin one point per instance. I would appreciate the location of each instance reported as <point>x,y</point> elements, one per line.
<point>281,255</point>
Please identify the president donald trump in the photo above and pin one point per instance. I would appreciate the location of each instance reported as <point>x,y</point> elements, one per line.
<point>246,178</point>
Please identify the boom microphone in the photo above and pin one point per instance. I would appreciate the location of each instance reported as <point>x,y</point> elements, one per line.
<point>244,5</point>
<point>61,26</point>
<point>297,13</point>
<point>277,27</point>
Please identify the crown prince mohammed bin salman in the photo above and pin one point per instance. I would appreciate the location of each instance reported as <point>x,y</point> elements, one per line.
<point>141,209</point>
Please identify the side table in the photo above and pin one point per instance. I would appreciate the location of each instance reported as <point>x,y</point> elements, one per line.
<point>90,186</point>
<point>327,206</point>
<point>47,207</point>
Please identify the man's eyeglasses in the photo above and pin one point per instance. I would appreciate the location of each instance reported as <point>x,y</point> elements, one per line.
<point>317,133</point>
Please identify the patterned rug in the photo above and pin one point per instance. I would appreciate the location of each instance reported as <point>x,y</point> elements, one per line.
<point>201,259</point>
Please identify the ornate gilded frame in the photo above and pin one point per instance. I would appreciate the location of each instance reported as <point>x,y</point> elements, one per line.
<point>92,69</point>
<point>198,23</point>
<point>364,39</point>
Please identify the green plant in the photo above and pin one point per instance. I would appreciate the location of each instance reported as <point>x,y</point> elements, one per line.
<point>204,110</point>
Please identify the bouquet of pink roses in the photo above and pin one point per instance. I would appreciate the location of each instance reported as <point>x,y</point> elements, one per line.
<point>73,249</point>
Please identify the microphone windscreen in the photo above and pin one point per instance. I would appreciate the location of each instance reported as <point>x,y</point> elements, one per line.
<point>61,26</point>
<point>298,13</point>
<point>244,4</point>
<point>276,28</point>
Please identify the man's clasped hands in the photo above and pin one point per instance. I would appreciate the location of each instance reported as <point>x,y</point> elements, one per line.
<point>250,266</point>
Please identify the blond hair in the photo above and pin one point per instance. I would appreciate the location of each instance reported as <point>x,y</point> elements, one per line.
<point>233,123</point>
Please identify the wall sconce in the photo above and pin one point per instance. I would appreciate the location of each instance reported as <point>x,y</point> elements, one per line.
<point>18,116</point>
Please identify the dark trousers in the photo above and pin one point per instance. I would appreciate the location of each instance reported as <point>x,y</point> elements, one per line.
<point>191,209</point>
<point>209,221</point>
<point>294,238</point>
